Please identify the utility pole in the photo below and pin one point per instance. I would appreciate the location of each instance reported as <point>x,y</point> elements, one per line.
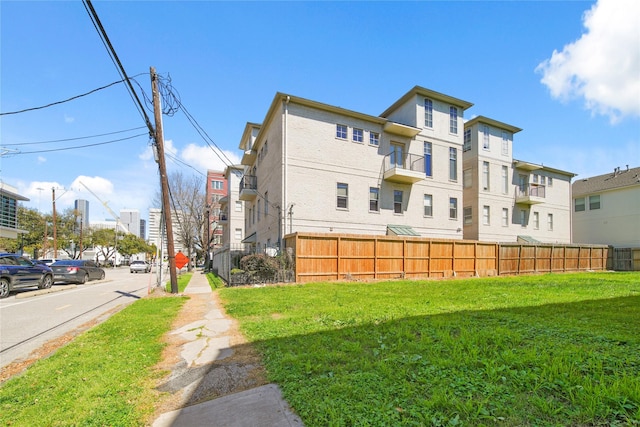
<point>164,181</point>
<point>55,240</point>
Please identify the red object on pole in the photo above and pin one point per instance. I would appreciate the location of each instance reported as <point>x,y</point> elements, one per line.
<point>181,260</point>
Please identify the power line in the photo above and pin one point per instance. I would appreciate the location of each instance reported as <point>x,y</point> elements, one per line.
<point>78,146</point>
<point>114,57</point>
<point>73,139</point>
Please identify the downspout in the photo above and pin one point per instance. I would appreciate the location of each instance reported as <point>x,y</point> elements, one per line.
<point>284,173</point>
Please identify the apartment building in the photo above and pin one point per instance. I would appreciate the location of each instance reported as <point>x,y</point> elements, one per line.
<point>9,198</point>
<point>314,167</point>
<point>232,209</point>
<point>606,209</point>
<point>216,189</point>
<point>509,200</point>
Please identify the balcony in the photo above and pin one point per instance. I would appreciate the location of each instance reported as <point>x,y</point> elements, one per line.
<point>407,170</point>
<point>248,187</point>
<point>249,157</point>
<point>530,194</point>
<point>223,218</point>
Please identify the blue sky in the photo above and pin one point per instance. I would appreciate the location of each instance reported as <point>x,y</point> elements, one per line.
<point>567,73</point>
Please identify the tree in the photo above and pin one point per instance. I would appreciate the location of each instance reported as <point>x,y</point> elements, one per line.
<point>188,201</point>
<point>131,244</point>
<point>104,240</point>
<point>33,222</point>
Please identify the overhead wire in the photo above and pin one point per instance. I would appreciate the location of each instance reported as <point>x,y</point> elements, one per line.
<point>72,139</point>
<point>77,146</point>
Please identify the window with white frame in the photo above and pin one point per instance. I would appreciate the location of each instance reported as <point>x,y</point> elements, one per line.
<point>374,138</point>
<point>505,143</point>
<point>505,180</point>
<point>397,201</point>
<point>358,135</point>
<point>428,113</point>
<point>453,208</point>
<point>453,120</point>
<point>505,217</point>
<point>467,140</point>
<point>485,137</point>
<point>536,220</point>
<point>428,159</point>
<point>258,210</point>
<point>238,234</point>
<point>523,218</point>
<point>453,164</point>
<point>342,196</point>
<point>341,131</point>
<point>549,181</point>
<point>217,184</point>
<point>594,202</point>
<point>485,176</point>
<point>579,205</point>
<point>238,206</point>
<point>550,222</point>
<point>266,203</point>
<point>374,197</point>
<point>467,178</point>
<point>486,215</point>
<point>467,213</point>
<point>428,205</point>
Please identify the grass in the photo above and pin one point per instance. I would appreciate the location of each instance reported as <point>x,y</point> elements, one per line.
<point>183,281</point>
<point>547,350</point>
<point>103,378</point>
<point>214,281</point>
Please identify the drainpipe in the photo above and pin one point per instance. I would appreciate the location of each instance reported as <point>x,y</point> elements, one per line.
<point>284,172</point>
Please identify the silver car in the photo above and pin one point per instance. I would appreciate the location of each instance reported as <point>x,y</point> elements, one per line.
<point>139,267</point>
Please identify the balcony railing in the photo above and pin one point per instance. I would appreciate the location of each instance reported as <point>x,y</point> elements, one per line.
<point>530,194</point>
<point>406,170</point>
<point>248,187</point>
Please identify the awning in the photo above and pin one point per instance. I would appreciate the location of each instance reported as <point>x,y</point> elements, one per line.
<point>400,230</point>
<point>528,239</point>
<point>251,238</point>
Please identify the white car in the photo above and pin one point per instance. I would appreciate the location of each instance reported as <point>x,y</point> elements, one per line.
<point>139,267</point>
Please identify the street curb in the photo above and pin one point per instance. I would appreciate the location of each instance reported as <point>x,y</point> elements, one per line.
<point>44,291</point>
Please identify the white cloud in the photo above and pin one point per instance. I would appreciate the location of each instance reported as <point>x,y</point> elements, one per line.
<point>69,119</point>
<point>603,65</point>
<point>41,159</point>
<point>204,158</point>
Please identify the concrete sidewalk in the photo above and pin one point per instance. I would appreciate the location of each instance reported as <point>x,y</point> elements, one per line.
<point>207,341</point>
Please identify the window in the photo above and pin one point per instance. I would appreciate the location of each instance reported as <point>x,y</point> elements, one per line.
<point>341,131</point>
<point>549,181</point>
<point>343,196</point>
<point>453,208</point>
<point>258,210</point>
<point>428,113</point>
<point>238,206</point>
<point>453,120</point>
<point>535,178</point>
<point>397,201</point>
<point>428,161</point>
<point>505,143</point>
<point>467,140</point>
<point>374,197</point>
<point>397,155</point>
<point>453,164</point>
<point>485,176</point>
<point>505,180</point>
<point>594,202</point>
<point>467,213</point>
<point>536,221</point>
<point>486,215</point>
<point>550,222</point>
<point>266,203</point>
<point>485,137</point>
<point>374,138</point>
<point>358,135</point>
<point>543,179</point>
<point>217,185</point>
<point>428,205</point>
<point>578,205</point>
<point>505,217</point>
<point>523,218</point>
<point>238,234</point>
<point>467,178</point>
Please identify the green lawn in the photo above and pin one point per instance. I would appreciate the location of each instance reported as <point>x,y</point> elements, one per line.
<point>546,350</point>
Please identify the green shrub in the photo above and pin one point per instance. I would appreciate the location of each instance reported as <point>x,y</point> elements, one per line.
<point>260,266</point>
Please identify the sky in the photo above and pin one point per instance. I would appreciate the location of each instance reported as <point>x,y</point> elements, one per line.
<point>567,73</point>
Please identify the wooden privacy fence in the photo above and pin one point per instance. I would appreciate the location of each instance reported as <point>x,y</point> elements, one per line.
<point>344,256</point>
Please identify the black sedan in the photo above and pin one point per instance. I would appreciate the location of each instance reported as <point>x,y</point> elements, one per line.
<point>76,271</point>
<point>17,272</point>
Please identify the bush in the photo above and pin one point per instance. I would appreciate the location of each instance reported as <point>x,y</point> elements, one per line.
<point>260,266</point>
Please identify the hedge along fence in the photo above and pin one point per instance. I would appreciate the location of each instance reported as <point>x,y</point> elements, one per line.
<point>344,256</point>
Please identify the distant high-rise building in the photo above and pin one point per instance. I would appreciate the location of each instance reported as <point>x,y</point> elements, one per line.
<point>157,231</point>
<point>143,229</point>
<point>130,218</point>
<point>81,207</point>
<point>216,190</point>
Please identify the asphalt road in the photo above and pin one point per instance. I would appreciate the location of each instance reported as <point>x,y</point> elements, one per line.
<point>29,318</point>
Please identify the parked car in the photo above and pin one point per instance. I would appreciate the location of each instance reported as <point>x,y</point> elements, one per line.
<point>45,261</point>
<point>139,267</point>
<point>17,272</point>
<point>76,271</point>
